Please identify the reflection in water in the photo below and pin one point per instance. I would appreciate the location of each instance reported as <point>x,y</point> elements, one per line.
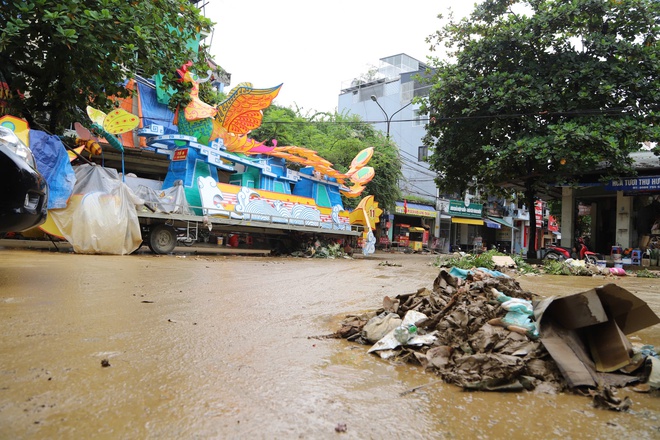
<point>217,347</point>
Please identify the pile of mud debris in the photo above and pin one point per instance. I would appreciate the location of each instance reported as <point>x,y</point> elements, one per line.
<point>479,330</point>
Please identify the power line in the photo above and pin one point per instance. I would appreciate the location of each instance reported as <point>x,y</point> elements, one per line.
<point>585,112</point>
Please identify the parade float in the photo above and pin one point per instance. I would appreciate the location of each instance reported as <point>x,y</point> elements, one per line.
<point>219,180</point>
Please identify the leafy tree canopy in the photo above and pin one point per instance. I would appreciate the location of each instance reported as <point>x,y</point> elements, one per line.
<point>58,56</point>
<point>337,138</point>
<point>539,91</point>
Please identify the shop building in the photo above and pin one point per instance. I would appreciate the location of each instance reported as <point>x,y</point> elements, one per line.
<point>623,212</point>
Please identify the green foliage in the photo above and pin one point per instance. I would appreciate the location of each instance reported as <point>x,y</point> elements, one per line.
<point>554,267</point>
<point>539,91</point>
<point>645,273</point>
<point>331,251</point>
<point>337,138</point>
<point>210,95</point>
<point>523,266</point>
<point>485,259</point>
<point>420,200</point>
<point>469,261</point>
<point>59,56</point>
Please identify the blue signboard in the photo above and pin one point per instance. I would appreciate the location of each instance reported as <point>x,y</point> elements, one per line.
<point>646,183</point>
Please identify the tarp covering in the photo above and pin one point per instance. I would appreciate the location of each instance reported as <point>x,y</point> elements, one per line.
<point>492,225</point>
<point>153,112</point>
<point>171,200</point>
<point>100,217</point>
<point>502,222</point>
<point>53,163</point>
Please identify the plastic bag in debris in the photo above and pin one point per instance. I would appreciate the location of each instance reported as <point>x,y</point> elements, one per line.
<point>389,341</point>
<point>653,368</point>
<point>575,263</point>
<point>378,326</point>
<point>648,350</point>
<point>463,273</point>
<point>514,304</point>
<point>519,312</point>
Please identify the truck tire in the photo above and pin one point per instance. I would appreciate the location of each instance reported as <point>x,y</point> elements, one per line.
<point>162,239</point>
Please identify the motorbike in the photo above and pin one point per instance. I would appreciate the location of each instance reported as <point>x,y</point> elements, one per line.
<point>580,251</point>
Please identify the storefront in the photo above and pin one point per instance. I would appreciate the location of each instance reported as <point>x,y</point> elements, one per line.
<point>411,225</point>
<point>623,212</point>
<point>499,233</point>
<point>467,223</point>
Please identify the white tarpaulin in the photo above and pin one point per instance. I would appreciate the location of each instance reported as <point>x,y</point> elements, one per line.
<point>171,200</point>
<point>100,217</point>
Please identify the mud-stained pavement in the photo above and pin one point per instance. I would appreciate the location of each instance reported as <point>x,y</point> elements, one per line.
<point>219,347</point>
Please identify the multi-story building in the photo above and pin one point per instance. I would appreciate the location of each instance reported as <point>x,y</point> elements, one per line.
<point>383,97</point>
<point>624,212</point>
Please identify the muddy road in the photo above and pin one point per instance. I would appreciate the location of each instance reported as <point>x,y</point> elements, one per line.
<point>211,346</point>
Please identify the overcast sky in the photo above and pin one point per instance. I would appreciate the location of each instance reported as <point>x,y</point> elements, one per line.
<point>313,48</point>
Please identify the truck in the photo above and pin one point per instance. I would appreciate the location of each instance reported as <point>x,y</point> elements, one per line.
<point>216,188</point>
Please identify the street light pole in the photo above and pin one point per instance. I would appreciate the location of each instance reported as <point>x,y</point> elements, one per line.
<point>388,119</point>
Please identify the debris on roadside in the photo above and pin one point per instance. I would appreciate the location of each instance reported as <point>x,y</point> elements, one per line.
<point>479,330</point>
<point>516,265</point>
<point>606,398</point>
<point>323,249</point>
<point>341,427</point>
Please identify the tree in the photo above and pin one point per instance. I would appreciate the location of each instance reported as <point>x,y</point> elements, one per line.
<point>538,92</point>
<point>57,57</point>
<point>337,138</point>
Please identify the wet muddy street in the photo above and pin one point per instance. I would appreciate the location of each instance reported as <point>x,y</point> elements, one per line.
<point>218,347</point>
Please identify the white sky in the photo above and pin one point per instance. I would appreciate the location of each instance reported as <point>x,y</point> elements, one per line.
<point>314,47</point>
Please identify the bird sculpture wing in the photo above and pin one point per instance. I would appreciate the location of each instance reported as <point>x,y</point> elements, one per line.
<point>241,112</point>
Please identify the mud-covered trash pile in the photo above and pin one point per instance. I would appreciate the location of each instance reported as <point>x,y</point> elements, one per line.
<point>477,329</point>
<point>463,332</point>
<point>579,268</point>
<point>323,249</point>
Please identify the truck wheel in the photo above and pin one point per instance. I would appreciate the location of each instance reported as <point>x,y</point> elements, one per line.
<point>162,239</point>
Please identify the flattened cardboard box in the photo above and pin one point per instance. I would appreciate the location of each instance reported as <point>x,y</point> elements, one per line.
<point>599,318</point>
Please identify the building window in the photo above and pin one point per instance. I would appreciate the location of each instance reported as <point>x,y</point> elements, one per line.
<point>419,119</point>
<point>407,91</point>
<point>422,153</point>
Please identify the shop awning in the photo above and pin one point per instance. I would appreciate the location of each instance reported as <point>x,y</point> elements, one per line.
<point>492,224</point>
<point>467,221</point>
<point>502,222</point>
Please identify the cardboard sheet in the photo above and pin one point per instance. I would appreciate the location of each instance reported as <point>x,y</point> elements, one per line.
<point>585,333</point>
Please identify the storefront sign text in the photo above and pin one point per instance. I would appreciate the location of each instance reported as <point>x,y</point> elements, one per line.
<point>408,210</point>
<point>457,208</point>
<point>634,184</point>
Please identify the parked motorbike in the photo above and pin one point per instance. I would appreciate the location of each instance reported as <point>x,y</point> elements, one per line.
<point>580,251</point>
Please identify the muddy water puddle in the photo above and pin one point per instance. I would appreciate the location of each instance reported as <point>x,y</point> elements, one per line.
<point>220,347</point>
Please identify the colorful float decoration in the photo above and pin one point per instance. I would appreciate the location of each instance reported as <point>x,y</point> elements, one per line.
<point>222,171</point>
<point>240,113</point>
<point>261,186</point>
